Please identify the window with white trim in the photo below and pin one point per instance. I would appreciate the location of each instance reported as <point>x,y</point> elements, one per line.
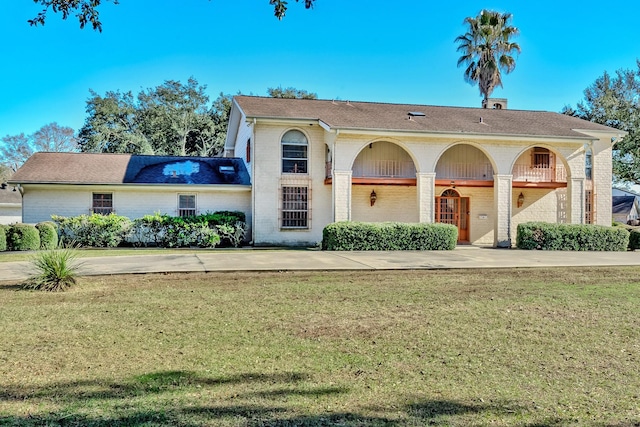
<point>294,152</point>
<point>295,207</point>
<point>102,203</point>
<point>186,205</point>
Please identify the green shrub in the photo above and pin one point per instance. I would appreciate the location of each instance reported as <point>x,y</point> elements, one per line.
<point>48,235</point>
<point>56,270</point>
<point>221,218</point>
<point>3,237</point>
<point>23,237</point>
<point>634,239</point>
<point>204,231</point>
<point>388,236</point>
<point>95,230</point>
<point>571,237</point>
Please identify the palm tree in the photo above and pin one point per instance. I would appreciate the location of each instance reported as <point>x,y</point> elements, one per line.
<point>487,50</point>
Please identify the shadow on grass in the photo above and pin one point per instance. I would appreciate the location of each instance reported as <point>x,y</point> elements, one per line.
<point>433,409</point>
<point>153,383</point>
<point>112,399</point>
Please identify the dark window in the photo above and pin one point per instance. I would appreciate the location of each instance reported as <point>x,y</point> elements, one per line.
<point>294,152</point>
<point>102,203</point>
<point>295,207</point>
<point>541,158</point>
<point>588,163</point>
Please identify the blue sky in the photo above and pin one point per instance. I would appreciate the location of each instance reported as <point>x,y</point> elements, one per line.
<point>387,51</point>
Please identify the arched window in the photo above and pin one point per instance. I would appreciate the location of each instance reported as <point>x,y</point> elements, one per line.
<point>450,193</point>
<point>294,152</point>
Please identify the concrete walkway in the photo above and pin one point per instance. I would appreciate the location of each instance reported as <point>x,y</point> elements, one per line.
<point>462,257</point>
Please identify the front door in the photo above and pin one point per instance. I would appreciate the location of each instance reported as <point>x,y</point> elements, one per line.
<point>453,209</point>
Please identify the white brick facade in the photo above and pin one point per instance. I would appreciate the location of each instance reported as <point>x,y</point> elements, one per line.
<point>41,201</point>
<point>493,210</point>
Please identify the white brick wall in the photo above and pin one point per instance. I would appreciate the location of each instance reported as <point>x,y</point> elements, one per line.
<point>268,179</point>
<point>40,202</point>
<point>10,214</point>
<point>491,219</point>
<point>394,203</point>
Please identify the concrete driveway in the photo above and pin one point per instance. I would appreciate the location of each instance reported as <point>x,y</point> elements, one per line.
<point>468,257</point>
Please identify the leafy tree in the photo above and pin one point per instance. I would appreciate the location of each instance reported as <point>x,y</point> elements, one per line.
<point>171,119</point>
<point>16,149</point>
<point>87,10</point>
<point>112,126</point>
<point>290,92</point>
<point>174,116</point>
<point>487,50</point>
<point>615,101</point>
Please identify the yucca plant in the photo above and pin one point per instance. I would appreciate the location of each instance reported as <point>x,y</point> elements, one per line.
<point>56,270</point>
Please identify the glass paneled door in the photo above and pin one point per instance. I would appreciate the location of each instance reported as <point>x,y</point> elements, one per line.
<point>453,209</point>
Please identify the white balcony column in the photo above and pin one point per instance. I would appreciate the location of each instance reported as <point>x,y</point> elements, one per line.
<point>426,196</point>
<point>575,200</point>
<point>341,192</point>
<point>502,200</point>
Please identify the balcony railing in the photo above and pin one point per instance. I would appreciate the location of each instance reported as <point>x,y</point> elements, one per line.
<point>467,171</point>
<point>527,173</point>
<point>384,169</point>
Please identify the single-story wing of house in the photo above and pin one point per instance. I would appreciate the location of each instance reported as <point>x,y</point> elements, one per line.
<point>485,170</point>
<point>10,205</point>
<point>625,209</point>
<point>70,184</point>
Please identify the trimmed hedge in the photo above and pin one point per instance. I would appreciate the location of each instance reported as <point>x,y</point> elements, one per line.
<point>3,238</point>
<point>95,230</point>
<point>205,231</point>
<point>48,235</point>
<point>571,237</point>
<point>23,237</point>
<point>634,239</point>
<point>388,236</point>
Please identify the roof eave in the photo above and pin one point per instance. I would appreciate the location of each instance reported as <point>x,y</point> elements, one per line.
<point>354,130</point>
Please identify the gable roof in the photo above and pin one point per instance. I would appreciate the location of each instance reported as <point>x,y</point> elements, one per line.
<point>89,168</point>
<point>395,117</point>
<point>622,204</point>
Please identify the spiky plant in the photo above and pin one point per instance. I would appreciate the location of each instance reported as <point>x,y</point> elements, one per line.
<point>56,270</point>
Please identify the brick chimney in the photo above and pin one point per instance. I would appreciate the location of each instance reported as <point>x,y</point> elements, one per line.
<point>495,103</point>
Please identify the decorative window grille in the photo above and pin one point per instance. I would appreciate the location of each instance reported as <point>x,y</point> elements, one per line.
<point>542,158</point>
<point>294,152</point>
<point>102,203</point>
<point>588,207</point>
<point>295,207</point>
<point>186,205</point>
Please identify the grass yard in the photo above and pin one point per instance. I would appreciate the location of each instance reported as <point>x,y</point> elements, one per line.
<point>513,347</point>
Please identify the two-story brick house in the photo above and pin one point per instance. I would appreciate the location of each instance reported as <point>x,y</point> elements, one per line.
<point>313,162</point>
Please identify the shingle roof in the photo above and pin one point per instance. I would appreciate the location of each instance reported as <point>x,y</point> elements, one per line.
<point>622,204</point>
<point>395,117</point>
<point>88,168</point>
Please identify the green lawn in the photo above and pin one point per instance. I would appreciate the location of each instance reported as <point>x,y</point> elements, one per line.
<point>525,347</point>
